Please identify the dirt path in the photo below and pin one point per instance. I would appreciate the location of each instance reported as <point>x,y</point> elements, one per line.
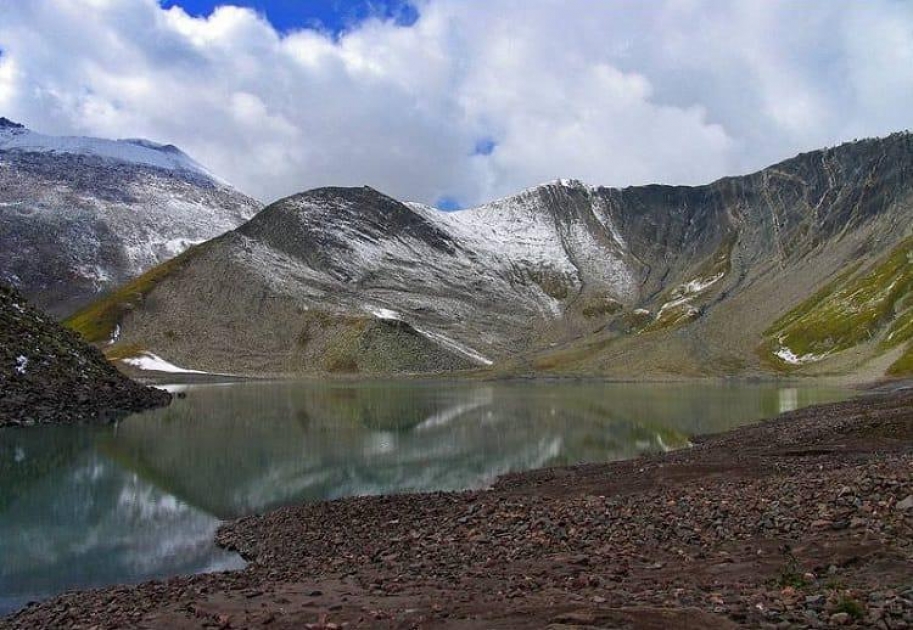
<point>805,521</point>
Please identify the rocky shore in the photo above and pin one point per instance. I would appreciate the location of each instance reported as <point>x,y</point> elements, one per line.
<point>802,521</point>
<point>48,374</point>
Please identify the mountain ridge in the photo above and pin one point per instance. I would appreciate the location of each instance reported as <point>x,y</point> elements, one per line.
<point>17,137</point>
<point>97,213</point>
<point>566,278</point>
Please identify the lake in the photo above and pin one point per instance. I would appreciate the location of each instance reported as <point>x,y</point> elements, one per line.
<point>90,506</point>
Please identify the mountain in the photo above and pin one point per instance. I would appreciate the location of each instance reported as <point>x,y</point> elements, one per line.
<point>80,216</point>
<point>49,374</point>
<point>803,267</point>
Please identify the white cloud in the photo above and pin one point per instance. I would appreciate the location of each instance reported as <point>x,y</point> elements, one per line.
<point>615,93</point>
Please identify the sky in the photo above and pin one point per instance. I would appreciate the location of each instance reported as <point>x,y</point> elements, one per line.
<point>329,16</point>
<point>458,102</point>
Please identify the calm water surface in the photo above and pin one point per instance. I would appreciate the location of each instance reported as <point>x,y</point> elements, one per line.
<point>83,507</point>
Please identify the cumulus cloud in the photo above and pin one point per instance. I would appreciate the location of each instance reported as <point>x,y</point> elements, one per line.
<point>614,93</point>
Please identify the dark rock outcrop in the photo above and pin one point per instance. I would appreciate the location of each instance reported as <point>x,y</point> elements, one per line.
<point>49,375</point>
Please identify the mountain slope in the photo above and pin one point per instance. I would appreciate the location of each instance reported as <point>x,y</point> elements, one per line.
<point>79,216</point>
<point>564,277</point>
<point>49,375</point>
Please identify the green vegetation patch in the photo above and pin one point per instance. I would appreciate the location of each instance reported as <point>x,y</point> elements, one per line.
<point>600,306</point>
<point>567,358</point>
<point>635,321</point>
<point>346,345</point>
<point>904,365</point>
<point>901,330</point>
<point>720,262</point>
<point>97,321</point>
<point>673,316</point>
<point>850,310</point>
<point>851,607</point>
<point>123,351</point>
<point>809,305</point>
<point>554,284</point>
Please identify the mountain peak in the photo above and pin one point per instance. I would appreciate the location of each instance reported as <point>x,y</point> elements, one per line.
<point>155,146</point>
<point>6,123</point>
<point>134,151</point>
<point>358,199</point>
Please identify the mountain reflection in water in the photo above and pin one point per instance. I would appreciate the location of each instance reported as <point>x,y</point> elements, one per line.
<point>84,506</point>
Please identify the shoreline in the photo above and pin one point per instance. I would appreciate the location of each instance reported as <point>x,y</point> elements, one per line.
<point>802,520</point>
<point>884,384</point>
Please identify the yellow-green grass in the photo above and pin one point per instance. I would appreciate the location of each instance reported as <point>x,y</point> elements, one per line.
<point>577,355</point>
<point>121,351</point>
<point>97,321</point>
<point>672,317</point>
<point>904,365</point>
<point>901,330</point>
<point>850,310</point>
<point>600,306</point>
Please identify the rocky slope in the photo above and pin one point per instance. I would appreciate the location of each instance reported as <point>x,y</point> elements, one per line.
<point>49,375</point>
<point>564,277</point>
<point>79,216</point>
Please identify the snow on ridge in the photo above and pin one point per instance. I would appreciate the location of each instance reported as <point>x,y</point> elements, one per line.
<point>509,230</point>
<point>423,208</point>
<point>515,232</point>
<point>133,150</point>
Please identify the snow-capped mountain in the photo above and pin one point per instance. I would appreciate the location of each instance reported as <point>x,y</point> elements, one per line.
<point>79,216</point>
<point>748,275</point>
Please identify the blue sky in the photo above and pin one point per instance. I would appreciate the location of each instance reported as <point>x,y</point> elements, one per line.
<point>334,16</point>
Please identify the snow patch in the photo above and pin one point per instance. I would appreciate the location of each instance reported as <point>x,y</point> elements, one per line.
<point>700,284</point>
<point>155,363</point>
<point>788,356</point>
<point>674,304</point>
<point>572,183</point>
<point>175,388</point>
<point>385,313</point>
<point>450,344</point>
<point>684,293</point>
